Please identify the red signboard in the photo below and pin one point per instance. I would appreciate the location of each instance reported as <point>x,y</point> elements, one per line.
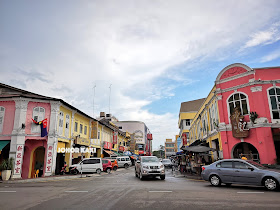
<point>184,138</point>
<point>115,138</point>
<point>121,148</point>
<point>150,136</point>
<point>141,152</point>
<point>108,145</point>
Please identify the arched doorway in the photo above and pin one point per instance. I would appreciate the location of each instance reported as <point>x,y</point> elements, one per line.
<point>247,150</point>
<point>38,161</point>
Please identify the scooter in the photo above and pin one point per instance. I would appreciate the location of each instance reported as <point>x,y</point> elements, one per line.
<point>63,170</point>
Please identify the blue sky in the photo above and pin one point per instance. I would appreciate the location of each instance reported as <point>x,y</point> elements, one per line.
<point>156,54</point>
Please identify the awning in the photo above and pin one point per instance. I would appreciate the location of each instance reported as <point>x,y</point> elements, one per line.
<point>198,149</point>
<point>111,153</point>
<point>60,145</point>
<point>118,154</point>
<point>3,144</point>
<point>195,143</point>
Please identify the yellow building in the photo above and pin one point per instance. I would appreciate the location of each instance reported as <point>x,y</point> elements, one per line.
<point>187,113</point>
<point>204,126</point>
<point>170,148</point>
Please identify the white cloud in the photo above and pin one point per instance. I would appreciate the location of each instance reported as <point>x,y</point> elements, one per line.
<point>268,36</point>
<point>272,56</point>
<point>129,44</point>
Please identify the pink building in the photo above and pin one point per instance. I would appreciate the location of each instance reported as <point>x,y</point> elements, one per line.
<point>20,137</point>
<point>251,90</point>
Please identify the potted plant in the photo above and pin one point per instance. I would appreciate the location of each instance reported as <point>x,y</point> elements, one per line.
<point>7,166</point>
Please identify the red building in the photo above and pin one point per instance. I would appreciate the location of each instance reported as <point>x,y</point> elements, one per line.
<point>256,94</point>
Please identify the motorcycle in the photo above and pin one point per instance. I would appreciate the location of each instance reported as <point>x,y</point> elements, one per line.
<point>63,170</point>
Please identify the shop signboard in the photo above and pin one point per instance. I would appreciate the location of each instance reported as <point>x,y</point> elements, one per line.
<point>121,148</point>
<point>108,145</point>
<point>115,137</point>
<point>184,138</point>
<point>132,143</point>
<point>239,127</point>
<point>82,141</point>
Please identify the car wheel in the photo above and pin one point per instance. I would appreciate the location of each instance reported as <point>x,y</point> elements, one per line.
<point>98,171</point>
<point>162,177</point>
<point>141,176</point>
<point>215,180</point>
<point>115,168</point>
<point>75,172</point>
<point>270,183</point>
<point>126,166</point>
<point>108,170</point>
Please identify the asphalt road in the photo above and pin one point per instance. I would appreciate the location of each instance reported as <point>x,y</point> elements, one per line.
<point>122,190</point>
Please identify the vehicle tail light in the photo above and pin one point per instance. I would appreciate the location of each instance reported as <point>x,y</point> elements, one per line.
<point>203,168</point>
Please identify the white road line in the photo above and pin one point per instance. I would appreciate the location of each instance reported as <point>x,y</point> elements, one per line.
<point>251,192</point>
<point>8,191</point>
<point>160,191</point>
<point>76,191</point>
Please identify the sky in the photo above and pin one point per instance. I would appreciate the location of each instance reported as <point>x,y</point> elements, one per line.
<point>153,54</point>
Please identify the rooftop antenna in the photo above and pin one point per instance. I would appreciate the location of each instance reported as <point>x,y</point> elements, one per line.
<point>93,100</point>
<point>110,98</point>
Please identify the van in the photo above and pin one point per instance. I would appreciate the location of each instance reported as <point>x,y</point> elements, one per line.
<point>124,161</point>
<point>87,165</point>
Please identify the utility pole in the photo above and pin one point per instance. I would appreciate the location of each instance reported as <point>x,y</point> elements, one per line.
<point>110,98</point>
<point>93,100</point>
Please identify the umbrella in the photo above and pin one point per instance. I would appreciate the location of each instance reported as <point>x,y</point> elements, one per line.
<point>198,149</point>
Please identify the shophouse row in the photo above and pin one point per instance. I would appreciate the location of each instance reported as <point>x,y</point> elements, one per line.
<point>240,115</point>
<point>44,132</point>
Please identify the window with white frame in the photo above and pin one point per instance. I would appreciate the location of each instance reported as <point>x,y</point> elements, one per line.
<point>238,100</point>
<point>38,115</point>
<point>85,130</point>
<point>67,125</point>
<point>60,123</point>
<point>274,96</point>
<point>76,127</point>
<point>2,115</point>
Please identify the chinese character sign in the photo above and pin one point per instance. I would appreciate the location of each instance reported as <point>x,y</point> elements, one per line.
<point>115,137</point>
<point>49,159</point>
<point>18,161</point>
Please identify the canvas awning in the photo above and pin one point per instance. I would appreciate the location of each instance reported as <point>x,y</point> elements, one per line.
<point>198,149</point>
<point>111,153</point>
<point>3,144</point>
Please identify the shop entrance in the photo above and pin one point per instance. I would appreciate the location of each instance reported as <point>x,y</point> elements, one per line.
<point>4,150</point>
<point>60,158</point>
<point>38,161</point>
<point>276,139</point>
<point>247,150</point>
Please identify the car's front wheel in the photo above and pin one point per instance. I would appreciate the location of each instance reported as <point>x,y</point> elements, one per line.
<point>98,171</point>
<point>215,180</point>
<point>115,168</point>
<point>270,183</point>
<point>126,166</point>
<point>108,170</point>
<point>162,177</point>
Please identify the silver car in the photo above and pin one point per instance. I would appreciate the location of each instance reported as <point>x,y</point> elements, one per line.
<point>237,171</point>
<point>149,166</point>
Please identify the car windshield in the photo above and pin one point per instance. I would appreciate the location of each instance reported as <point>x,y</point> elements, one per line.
<point>149,159</point>
<point>256,164</point>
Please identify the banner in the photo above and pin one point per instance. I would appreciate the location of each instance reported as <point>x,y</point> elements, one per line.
<point>43,125</point>
<point>115,137</point>
<point>94,130</point>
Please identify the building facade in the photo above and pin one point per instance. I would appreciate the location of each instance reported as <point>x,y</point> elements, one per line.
<point>170,148</point>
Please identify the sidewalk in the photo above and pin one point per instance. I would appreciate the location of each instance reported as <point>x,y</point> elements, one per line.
<point>48,178</point>
<point>178,174</point>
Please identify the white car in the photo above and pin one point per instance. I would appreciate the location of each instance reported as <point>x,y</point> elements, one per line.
<point>87,165</point>
<point>124,161</point>
<point>149,166</point>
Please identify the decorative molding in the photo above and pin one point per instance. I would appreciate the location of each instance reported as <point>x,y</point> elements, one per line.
<point>21,103</point>
<point>219,97</point>
<point>256,89</point>
<point>55,106</point>
<point>251,80</point>
<point>248,84</point>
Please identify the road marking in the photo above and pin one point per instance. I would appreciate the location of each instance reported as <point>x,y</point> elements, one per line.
<point>251,192</point>
<point>8,191</point>
<point>76,191</point>
<point>160,191</point>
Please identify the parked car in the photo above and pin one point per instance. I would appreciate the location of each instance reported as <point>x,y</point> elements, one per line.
<point>149,166</point>
<point>167,163</point>
<point>124,161</point>
<point>107,165</point>
<point>237,171</point>
<point>114,162</point>
<point>87,165</point>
